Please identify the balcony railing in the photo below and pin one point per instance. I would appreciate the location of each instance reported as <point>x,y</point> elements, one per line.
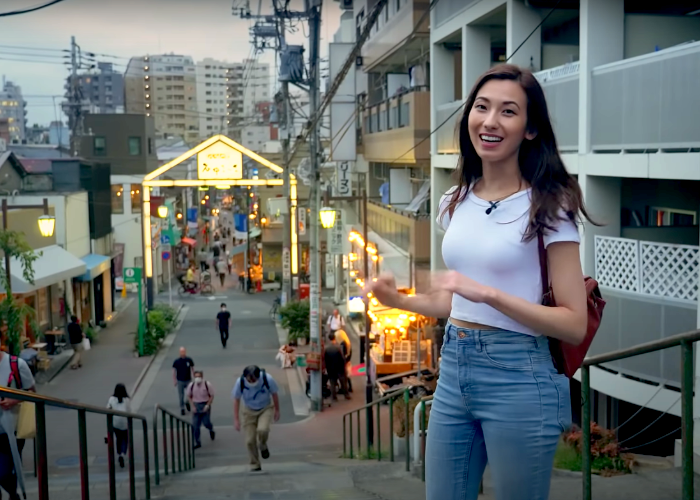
<point>447,136</point>
<point>396,125</point>
<point>647,102</point>
<point>394,30</point>
<point>406,230</point>
<point>561,88</point>
<point>663,270</point>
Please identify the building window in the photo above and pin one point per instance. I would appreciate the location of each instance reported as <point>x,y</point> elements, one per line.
<point>134,146</point>
<point>117,199</point>
<point>135,198</point>
<point>99,146</point>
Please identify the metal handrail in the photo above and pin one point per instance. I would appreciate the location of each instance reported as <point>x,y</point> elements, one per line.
<point>685,341</point>
<point>40,403</point>
<point>347,417</point>
<point>184,431</point>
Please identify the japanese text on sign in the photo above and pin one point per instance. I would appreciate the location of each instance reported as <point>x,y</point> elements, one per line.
<point>219,162</point>
<point>337,235</point>
<point>344,182</point>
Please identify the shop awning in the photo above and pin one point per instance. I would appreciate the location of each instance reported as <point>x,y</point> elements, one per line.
<point>53,266</point>
<point>188,241</point>
<point>96,264</point>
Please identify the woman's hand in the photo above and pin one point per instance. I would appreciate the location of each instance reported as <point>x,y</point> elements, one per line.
<point>384,290</point>
<point>454,282</point>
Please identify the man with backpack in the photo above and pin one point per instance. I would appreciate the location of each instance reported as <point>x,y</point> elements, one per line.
<point>201,394</point>
<point>261,406</point>
<point>14,373</point>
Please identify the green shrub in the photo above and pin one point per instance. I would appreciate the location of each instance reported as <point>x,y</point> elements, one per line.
<point>295,318</point>
<point>157,324</point>
<point>150,343</point>
<point>607,456</point>
<point>169,313</point>
<point>91,334</point>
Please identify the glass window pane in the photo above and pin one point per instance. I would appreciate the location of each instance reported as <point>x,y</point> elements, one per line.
<point>117,199</point>
<point>136,198</point>
<point>99,146</point>
<point>134,146</point>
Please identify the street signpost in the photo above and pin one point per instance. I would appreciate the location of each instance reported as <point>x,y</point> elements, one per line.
<point>133,275</point>
<point>337,232</point>
<point>166,254</point>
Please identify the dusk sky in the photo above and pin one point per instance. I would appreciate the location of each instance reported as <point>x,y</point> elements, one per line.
<point>126,28</point>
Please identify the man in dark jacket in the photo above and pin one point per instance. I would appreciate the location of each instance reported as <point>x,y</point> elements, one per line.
<point>75,337</point>
<point>334,359</point>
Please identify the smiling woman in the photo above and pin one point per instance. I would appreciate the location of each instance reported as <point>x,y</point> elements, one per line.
<point>499,393</point>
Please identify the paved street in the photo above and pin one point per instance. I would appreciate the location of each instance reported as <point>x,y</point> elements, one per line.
<point>305,461</point>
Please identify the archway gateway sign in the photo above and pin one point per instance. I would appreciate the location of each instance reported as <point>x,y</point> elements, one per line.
<point>219,164</point>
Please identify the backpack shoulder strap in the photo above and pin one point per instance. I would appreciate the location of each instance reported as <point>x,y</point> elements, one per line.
<point>544,272</point>
<point>206,386</point>
<point>242,384</point>
<point>266,384</point>
<point>14,373</point>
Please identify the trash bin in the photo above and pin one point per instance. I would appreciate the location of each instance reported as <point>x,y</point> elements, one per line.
<point>303,291</point>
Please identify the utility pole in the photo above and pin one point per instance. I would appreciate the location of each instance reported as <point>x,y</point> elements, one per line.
<point>315,202</point>
<point>75,101</point>
<point>287,127</point>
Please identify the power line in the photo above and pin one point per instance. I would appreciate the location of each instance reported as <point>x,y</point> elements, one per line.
<point>31,9</point>
<point>461,106</point>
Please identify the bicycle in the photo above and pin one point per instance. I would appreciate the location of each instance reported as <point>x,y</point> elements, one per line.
<point>275,309</point>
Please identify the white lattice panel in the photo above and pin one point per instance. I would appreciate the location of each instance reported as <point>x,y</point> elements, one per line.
<point>670,270</point>
<point>617,263</point>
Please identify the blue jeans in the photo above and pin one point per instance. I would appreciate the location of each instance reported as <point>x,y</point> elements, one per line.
<point>499,400</point>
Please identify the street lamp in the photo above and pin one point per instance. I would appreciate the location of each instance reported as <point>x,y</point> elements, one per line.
<point>47,224</point>
<point>162,211</point>
<point>327,217</point>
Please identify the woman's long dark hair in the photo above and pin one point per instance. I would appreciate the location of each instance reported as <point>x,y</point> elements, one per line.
<point>120,393</point>
<point>553,188</point>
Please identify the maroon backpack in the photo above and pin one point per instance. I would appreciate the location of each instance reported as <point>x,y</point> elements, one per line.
<point>568,358</point>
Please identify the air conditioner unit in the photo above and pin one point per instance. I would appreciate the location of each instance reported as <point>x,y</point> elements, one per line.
<point>346,4</point>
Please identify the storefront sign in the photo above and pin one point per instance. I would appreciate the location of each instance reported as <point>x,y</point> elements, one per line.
<point>132,275</point>
<point>219,162</point>
<point>342,175</point>
<point>302,221</point>
<point>286,264</point>
<point>337,234</point>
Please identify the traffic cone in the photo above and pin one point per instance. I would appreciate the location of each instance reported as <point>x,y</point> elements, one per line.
<point>123,291</point>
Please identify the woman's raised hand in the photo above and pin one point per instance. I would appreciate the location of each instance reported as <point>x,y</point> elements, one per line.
<point>384,290</point>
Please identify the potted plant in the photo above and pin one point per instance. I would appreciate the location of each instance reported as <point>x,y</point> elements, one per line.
<point>294,316</point>
<point>401,426</point>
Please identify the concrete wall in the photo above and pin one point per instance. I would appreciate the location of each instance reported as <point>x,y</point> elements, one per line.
<point>643,33</point>
<point>77,224</point>
<point>25,221</point>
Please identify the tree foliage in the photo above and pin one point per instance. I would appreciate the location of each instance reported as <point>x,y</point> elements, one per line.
<point>13,314</point>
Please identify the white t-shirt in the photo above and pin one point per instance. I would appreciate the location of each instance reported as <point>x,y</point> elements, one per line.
<point>336,322</point>
<point>120,423</point>
<point>490,250</point>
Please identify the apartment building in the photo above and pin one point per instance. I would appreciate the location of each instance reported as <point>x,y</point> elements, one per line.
<point>212,96</point>
<point>165,87</point>
<point>101,91</point>
<point>379,120</point>
<point>13,109</point>
<point>620,79</point>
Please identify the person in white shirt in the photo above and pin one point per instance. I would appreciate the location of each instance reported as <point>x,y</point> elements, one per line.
<point>120,401</point>
<point>499,394</point>
<point>222,269</point>
<point>335,322</point>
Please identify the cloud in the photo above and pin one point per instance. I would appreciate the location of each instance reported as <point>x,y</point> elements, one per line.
<point>127,28</point>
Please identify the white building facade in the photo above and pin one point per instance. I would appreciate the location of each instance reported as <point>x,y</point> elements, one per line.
<point>625,114</point>
<point>13,109</point>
